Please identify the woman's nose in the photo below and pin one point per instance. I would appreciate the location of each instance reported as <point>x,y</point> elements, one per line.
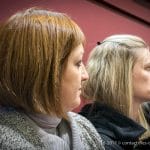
<point>85,75</point>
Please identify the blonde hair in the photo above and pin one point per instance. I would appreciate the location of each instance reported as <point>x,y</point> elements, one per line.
<point>110,67</point>
<point>34,48</point>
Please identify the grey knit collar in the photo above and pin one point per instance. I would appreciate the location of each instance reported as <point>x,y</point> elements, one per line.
<point>45,121</point>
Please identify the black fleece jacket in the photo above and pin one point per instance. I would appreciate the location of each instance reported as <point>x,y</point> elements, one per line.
<point>118,132</point>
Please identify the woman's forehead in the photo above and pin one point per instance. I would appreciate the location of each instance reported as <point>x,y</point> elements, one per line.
<point>143,54</point>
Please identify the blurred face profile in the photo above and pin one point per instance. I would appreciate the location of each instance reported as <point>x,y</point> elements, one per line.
<point>141,76</point>
<point>73,75</point>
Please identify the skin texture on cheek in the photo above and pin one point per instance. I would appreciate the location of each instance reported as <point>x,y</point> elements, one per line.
<point>141,77</point>
<point>71,82</point>
<point>141,81</point>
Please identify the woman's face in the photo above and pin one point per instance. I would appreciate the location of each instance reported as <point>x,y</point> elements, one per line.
<point>141,76</point>
<point>71,81</point>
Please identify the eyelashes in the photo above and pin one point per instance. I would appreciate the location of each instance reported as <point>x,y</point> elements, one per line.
<point>79,63</point>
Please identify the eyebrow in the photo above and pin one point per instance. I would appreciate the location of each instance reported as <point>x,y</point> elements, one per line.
<point>147,63</point>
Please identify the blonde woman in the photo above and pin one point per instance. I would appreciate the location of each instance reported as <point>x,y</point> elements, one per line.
<point>145,109</point>
<point>41,71</point>
<point>119,81</point>
<point>144,116</point>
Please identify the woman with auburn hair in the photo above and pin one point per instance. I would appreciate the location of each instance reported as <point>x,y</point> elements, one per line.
<point>119,82</point>
<point>40,83</point>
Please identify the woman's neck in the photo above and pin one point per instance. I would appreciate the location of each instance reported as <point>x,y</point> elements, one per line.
<point>134,110</point>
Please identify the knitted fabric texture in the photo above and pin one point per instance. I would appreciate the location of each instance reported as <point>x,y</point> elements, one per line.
<point>17,131</point>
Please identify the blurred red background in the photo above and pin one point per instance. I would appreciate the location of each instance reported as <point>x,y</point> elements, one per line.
<point>97,18</point>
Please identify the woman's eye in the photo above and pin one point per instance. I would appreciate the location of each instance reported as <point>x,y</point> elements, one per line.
<point>79,64</point>
<point>147,68</point>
